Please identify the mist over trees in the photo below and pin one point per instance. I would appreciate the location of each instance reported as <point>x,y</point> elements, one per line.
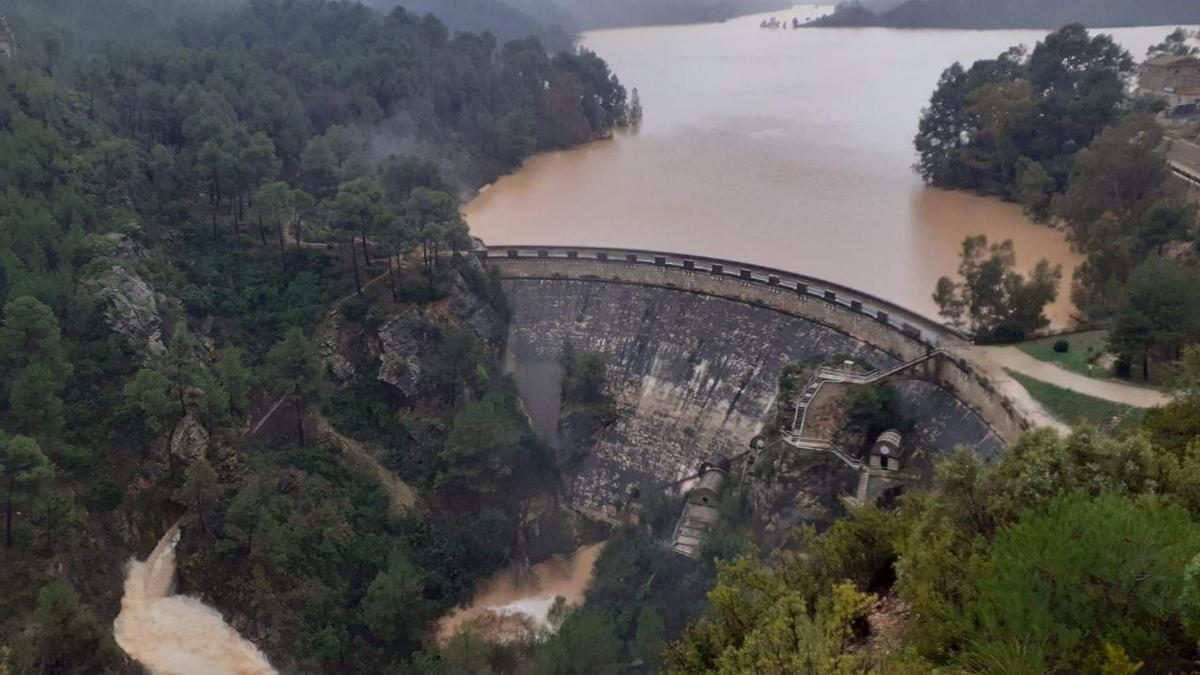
<point>1011,13</point>
<point>613,13</point>
<point>554,21</point>
<point>74,27</point>
<point>544,20</point>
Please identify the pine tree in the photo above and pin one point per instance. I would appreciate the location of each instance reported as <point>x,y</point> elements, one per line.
<point>296,370</point>
<point>23,467</point>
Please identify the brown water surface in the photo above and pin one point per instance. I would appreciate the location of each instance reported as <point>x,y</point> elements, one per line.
<point>514,602</point>
<point>788,148</point>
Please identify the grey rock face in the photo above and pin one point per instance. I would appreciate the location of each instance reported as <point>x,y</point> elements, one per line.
<point>131,310</point>
<point>8,43</point>
<point>404,340</point>
<point>467,307</point>
<point>189,442</point>
<point>411,337</point>
<point>329,348</point>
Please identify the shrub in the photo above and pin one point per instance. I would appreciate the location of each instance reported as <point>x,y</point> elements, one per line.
<point>1062,346</point>
<point>1123,368</point>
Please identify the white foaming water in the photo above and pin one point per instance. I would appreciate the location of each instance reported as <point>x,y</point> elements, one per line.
<point>176,634</point>
<point>536,609</point>
<point>515,603</point>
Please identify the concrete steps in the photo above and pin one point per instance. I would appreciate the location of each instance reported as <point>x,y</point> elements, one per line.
<point>864,485</point>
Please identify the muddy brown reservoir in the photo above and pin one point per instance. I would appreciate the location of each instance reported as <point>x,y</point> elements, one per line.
<point>787,148</point>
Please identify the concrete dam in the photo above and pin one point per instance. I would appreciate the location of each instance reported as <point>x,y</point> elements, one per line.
<point>695,350</point>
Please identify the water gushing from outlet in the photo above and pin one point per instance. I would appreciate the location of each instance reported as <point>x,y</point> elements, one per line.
<point>176,634</point>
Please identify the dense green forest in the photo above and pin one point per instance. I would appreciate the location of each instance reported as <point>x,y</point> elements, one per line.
<point>191,227</point>
<point>982,14</point>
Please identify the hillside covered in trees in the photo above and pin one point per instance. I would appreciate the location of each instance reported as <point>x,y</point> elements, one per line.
<point>233,286</point>
<point>556,20</point>
<point>982,14</point>
<point>553,26</point>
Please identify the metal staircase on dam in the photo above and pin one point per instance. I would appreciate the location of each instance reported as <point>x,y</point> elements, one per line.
<point>795,438</point>
<point>842,376</point>
<point>828,375</point>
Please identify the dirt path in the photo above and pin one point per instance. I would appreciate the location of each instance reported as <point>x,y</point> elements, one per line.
<point>1018,361</point>
<point>1026,405</point>
<point>402,495</point>
<point>266,417</point>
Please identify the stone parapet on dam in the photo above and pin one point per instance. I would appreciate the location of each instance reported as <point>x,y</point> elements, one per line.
<point>696,347</point>
<point>724,278</point>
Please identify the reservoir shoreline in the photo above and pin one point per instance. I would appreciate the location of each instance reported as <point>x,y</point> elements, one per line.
<point>787,149</point>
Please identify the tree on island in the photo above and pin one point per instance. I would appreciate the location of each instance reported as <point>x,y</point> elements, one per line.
<point>635,108</point>
<point>1039,107</point>
<point>991,299</point>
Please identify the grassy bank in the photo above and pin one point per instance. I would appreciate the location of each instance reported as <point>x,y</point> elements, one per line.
<point>1078,409</point>
<point>1084,348</point>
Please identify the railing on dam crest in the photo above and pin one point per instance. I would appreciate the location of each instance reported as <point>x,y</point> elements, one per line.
<point>912,324</point>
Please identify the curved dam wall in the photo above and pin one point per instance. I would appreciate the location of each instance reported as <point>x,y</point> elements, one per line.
<point>695,357</point>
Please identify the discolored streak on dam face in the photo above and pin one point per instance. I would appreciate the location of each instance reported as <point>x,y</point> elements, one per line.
<point>691,374</point>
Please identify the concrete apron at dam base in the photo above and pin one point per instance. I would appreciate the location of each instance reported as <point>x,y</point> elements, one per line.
<point>696,347</point>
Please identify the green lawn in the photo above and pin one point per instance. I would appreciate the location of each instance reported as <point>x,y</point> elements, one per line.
<point>1084,346</point>
<point>1078,409</point>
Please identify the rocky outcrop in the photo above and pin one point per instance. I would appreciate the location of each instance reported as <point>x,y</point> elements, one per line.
<point>123,247</point>
<point>405,340</point>
<point>131,310</point>
<point>8,43</point>
<point>332,351</point>
<point>469,308</point>
<point>412,336</point>
<point>189,442</point>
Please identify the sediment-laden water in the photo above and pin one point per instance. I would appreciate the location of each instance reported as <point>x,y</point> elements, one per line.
<point>176,634</point>
<point>788,148</point>
<point>515,602</point>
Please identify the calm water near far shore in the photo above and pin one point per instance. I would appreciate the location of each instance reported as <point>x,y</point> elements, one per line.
<point>788,148</point>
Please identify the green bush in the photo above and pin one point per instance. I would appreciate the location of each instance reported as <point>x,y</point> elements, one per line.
<point>1062,346</point>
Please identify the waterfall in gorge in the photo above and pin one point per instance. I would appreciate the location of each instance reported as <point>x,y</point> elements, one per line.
<point>176,634</point>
